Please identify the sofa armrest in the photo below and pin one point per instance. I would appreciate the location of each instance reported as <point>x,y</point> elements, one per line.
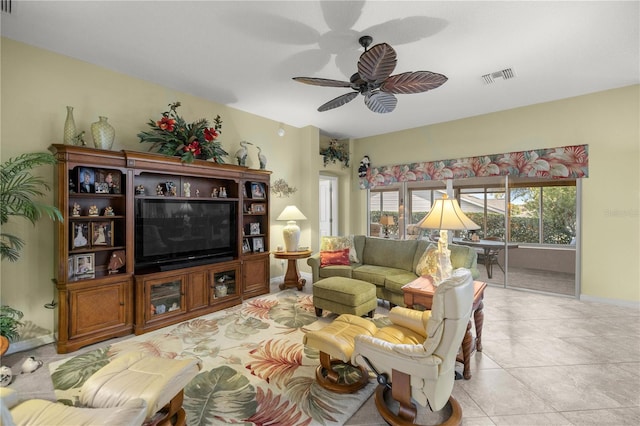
<point>314,262</point>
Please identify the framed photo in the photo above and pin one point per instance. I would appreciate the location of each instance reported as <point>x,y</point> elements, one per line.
<point>71,267</point>
<point>86,180</point>
<point>84,264</point>
<point>102,233</point>
<point>102,188</point>
<point>254,228</point>
<point>108,181</point>
<point>80,235</point>
<point>246,247</point>
<point>257,190</point>
<point>258,208</point>
<point>258,245</point>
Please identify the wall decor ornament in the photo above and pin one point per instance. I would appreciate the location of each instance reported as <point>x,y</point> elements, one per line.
<point>281,189</point>
<point>103,133</point>
<point>335,152</point>
<point>69,137</point>
<point>172,135</point>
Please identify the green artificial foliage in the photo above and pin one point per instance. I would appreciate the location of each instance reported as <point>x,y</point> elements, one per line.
<point>9,322</point>
<point>18,191</point>
<point>172,135</point>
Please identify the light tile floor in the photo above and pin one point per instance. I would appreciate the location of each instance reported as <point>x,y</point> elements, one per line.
<point>546,360</point>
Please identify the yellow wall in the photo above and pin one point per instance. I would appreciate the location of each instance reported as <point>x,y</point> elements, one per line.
<point>607,121</point>
<point>37,85</point>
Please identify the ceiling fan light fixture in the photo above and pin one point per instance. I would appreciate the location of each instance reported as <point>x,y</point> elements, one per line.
<point>375,82</point>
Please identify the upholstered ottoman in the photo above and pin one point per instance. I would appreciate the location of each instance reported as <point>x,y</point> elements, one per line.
<point>158,381</point>
<point>342,295</point>
<point>335,343</point>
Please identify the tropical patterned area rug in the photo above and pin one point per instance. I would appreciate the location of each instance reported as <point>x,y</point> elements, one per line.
<point>255,368</point>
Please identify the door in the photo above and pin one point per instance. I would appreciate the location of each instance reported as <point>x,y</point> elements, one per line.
<point>328,205</point>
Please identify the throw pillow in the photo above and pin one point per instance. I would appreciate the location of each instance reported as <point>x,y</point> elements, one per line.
<point>334,257</point>
<point>338,243</point>
<point>428,263</point>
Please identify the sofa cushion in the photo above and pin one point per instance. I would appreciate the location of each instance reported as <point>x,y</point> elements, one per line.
<point>334,257</point>
<point>397,254</point>
<point>375,274</point>
<point>335,271</point>
<point>333,243</point>
<point>428,263</point>
<point>395,282</point>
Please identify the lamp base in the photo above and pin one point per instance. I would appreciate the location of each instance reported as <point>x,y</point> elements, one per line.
<point>291,235</point>
<point>445,269</point>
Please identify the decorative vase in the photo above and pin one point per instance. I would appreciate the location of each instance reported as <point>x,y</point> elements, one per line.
<point>69,137</point>
<point>103,133</point>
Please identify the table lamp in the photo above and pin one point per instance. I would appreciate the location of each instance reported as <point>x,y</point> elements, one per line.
<point>386,222</point>
<point>445,215</point>
<point>291,232</point>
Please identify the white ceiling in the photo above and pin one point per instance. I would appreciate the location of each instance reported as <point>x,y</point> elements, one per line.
<point>244,54</point>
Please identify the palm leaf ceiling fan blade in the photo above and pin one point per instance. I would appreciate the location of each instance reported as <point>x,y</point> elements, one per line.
<point>339,101</point>
<point>413,82</point>
<point>375,82</point>
<point>377,63</point>
<point>322,82</point>
<point>381,102</point>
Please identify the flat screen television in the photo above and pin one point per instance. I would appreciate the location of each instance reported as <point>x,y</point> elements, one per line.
<point>174,233</point>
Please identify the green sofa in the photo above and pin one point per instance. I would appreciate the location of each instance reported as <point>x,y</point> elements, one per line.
<point>390,264</point>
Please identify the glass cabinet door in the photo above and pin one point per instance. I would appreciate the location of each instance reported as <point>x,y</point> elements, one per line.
<point>224,284</point>
<point>166,296</point>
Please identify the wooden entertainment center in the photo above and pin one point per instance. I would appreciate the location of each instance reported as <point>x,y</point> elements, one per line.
<point>102,293</point>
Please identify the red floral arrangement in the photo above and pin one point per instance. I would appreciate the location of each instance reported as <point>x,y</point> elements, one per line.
<point>172,135</point>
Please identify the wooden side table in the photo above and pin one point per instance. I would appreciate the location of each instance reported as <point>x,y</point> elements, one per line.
<point>292,277</point>
<point>420,292</point>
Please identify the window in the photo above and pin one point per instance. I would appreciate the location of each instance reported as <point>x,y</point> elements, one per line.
<point>384,202</point>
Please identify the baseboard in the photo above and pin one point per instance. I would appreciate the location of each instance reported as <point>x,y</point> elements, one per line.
<point>279,279</point>
<point>616,302</point>
<point>25,345</point>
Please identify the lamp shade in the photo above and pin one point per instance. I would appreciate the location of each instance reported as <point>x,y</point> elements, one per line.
<point>291,231</point>
<point>446,214</point>
<point>386,220</point>
<point>291,213</point>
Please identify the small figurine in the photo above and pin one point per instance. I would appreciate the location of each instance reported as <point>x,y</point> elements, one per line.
<point>75,212</point>
<point>186,189</point>
<point>214,193</point>
<point>174,307</point>
<point>30,365</point>
<point>262,159</point>
<point>159,190</point>
<point>108,211</point>
<point>72,186</point>
<point>6,376</point>
<point>140,190</point>
<point>93,210</point>
<point>223,192</point>
<point>197,192</point>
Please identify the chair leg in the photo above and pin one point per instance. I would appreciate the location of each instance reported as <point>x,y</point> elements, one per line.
<point>455,419</point>
<point>329,379</point>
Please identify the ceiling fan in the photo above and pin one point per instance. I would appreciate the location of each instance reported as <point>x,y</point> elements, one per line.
<point>375,82</point>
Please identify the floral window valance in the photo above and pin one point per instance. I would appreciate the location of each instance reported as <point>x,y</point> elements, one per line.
<point>549,163</point>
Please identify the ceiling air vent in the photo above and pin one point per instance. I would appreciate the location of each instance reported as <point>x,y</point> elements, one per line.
<point>504,74</point>
<point>6,5</point>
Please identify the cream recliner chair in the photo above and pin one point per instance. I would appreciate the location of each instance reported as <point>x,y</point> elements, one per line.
<point>416,356</point>
<point>132,389</point>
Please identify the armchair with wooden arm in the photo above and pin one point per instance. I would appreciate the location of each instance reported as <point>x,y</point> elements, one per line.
<point>415,356</point>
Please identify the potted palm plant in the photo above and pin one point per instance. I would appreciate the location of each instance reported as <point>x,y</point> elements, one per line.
<point>9,323</point>
<point>19,190</point>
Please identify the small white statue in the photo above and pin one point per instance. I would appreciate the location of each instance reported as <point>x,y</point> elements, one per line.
<point>76,210</point>
<point>6,376</point>
<point>186,189</point>
<point>30,365</point>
